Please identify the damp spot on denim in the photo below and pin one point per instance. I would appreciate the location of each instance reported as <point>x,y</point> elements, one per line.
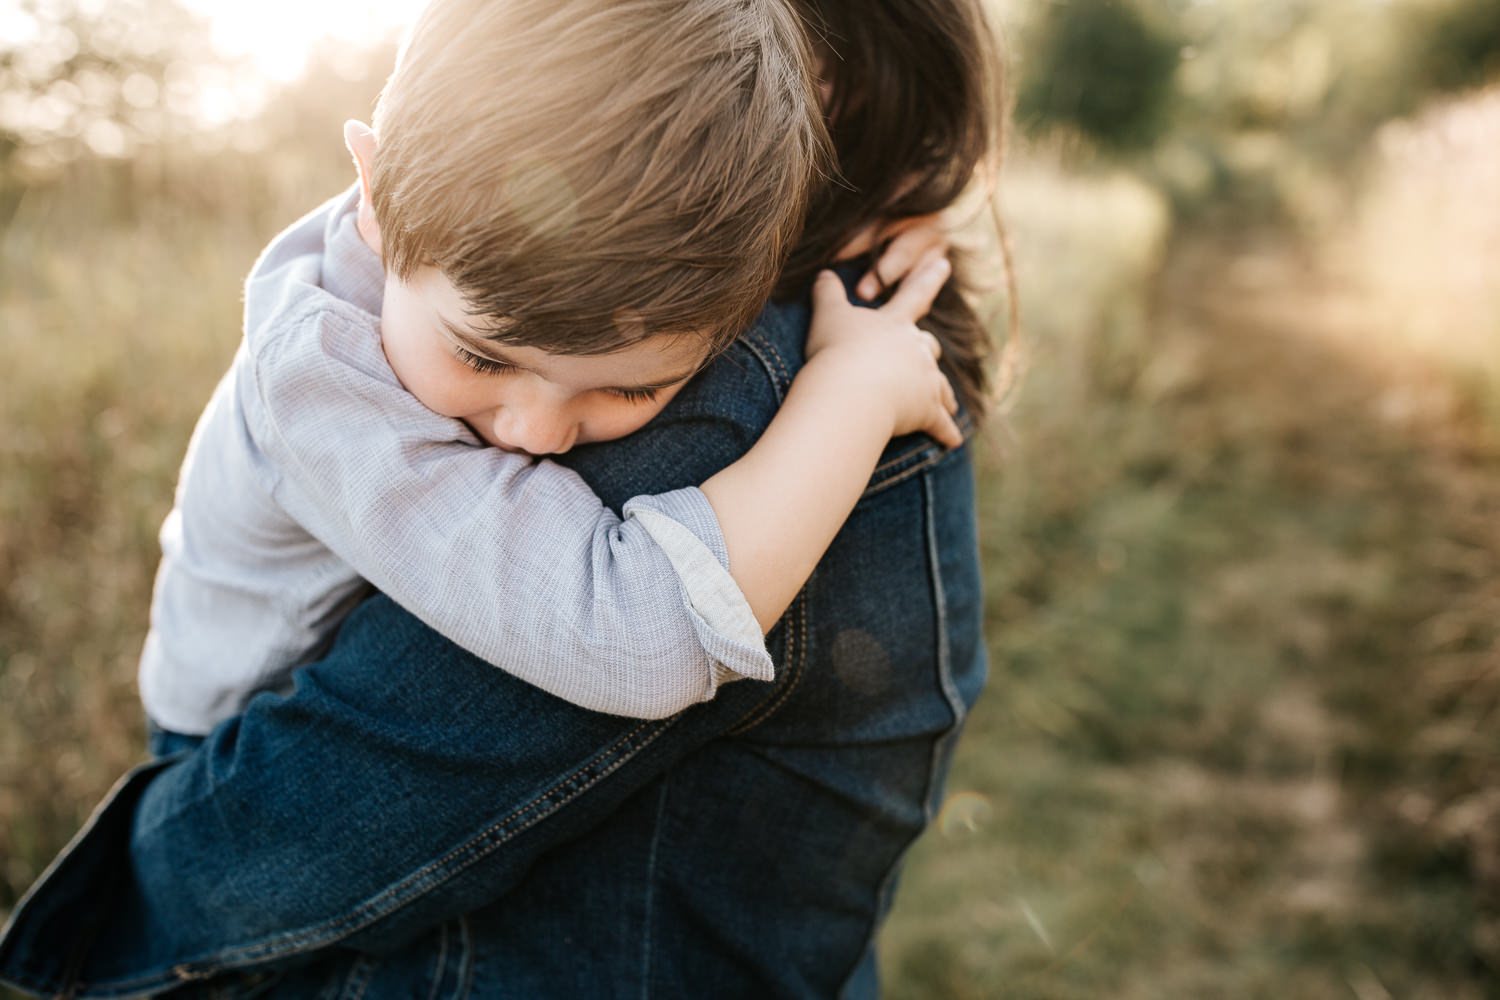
<point>860,662</point>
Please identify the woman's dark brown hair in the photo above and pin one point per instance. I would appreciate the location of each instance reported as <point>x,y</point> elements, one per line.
<point>914,103</point>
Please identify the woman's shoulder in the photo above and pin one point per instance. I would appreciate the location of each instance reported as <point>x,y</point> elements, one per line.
<point>775,343</point>
<point>747,383</point>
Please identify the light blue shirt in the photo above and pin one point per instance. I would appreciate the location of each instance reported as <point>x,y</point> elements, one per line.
<point>313,474</point>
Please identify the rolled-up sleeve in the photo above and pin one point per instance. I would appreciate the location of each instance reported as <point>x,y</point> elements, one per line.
<point>516,560</point>
<point>684,525</point>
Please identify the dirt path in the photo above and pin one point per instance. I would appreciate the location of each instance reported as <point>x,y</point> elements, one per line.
<point>1239,738</point>
<point>1386,478</point>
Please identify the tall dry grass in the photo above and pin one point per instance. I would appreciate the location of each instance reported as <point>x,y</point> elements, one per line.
<point>119,310</point>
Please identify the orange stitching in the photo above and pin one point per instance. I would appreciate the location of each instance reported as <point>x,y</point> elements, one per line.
<point>773,366</point>
<point>783,372</point>
<point>902,476</point>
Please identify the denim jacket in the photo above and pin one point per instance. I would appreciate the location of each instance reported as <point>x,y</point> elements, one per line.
<point>410,822</point>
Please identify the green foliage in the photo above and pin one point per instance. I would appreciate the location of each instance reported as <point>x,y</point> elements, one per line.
<point>1262,106</point>
<point>1101,67</point>
<point>1461,47</point>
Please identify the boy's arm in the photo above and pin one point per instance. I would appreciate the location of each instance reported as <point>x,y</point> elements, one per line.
<point>871,375</point>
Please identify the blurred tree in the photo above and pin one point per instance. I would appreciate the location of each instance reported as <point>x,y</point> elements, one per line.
<point>1102,67</point>
<point>1461,46</point>
<point>1263,103</point>
<point>82,76</point>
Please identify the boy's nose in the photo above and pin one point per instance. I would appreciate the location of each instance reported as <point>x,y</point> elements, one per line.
<point>535,430</point>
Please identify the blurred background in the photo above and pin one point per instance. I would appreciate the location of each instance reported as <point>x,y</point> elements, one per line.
<point>1241,518</point>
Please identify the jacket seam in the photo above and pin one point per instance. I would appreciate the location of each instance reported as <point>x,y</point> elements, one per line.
<point>775,366</point>
<point>883,466</point>
<point>940,620</point>
<point>358,980</point>
<point>439,965</point>
<point>920,456</point>
<point>932,779</point>
<point>606,761</point>
<point>795,661</point>
<point>465,978</point>
<point>936,456</point>
<point>649,916</point>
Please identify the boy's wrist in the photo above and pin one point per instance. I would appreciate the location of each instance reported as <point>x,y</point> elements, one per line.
<point>846,381</point>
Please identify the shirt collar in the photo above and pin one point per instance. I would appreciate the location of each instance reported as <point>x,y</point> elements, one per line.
<point>351,270</point>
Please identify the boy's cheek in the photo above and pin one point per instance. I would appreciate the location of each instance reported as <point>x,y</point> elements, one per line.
<point>425,376</point>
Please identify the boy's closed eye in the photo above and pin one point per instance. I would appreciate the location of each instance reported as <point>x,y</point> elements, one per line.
<point>483,365</point>
<point>634,395</point>
<point>491,366</point>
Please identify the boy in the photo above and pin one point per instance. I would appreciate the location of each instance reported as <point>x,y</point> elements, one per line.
<point>570,208</point>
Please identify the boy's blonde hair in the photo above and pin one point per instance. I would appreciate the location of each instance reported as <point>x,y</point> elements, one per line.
<point>590,172</point>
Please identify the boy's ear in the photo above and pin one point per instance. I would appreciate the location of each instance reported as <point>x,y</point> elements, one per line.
<point>360,139</point>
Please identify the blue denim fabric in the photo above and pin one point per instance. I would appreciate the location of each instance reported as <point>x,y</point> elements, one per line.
<point>164,743</point>
<point>412,822</point>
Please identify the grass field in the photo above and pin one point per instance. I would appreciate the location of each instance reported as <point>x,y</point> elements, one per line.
<point>1243,566</point>
<point>1242,544</point>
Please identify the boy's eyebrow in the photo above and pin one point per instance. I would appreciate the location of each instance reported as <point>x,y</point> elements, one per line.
<point>469,342</point>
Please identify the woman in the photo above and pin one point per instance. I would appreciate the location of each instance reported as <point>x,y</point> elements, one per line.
<point>412,820</point>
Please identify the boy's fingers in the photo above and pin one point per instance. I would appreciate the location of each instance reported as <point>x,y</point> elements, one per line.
<point>933,344</point>
<point>828,291</point>
<point>946,432</point>
<point>918,289</point>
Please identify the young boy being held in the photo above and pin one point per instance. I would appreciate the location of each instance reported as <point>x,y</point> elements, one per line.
<point>571,207</point>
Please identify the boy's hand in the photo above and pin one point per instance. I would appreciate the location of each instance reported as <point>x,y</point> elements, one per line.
<point>870,375</point>
<point>910,241</point>
<point>879,359</point>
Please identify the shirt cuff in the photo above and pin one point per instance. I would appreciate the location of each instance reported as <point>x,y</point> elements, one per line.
<point>683,524</point>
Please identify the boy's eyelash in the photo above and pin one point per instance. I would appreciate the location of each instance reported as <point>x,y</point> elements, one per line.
<point>635,395</point>
<point>483,365</point>
<point>489,366</point>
